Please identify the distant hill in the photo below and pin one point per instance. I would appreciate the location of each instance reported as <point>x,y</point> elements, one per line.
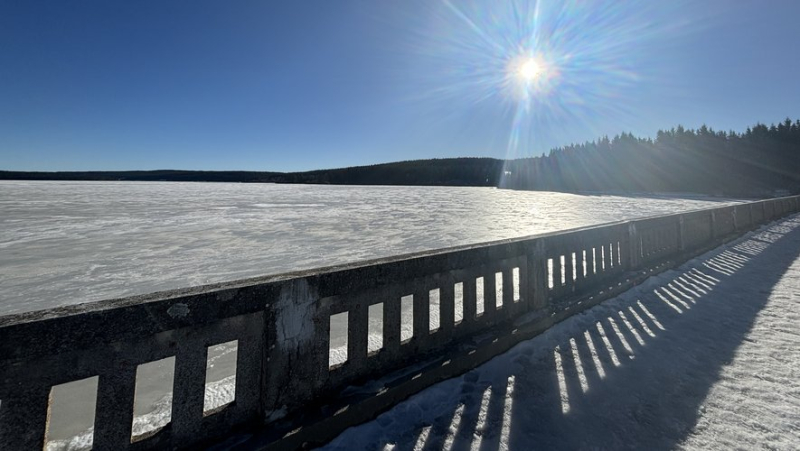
<point>445,172</point>
<point>762,161</point>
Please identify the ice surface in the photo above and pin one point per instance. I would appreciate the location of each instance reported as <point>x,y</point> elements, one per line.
<point>71,242</point>
<point>719,372</point>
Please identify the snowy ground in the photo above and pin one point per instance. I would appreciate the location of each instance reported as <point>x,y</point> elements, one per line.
<point>703,357</point>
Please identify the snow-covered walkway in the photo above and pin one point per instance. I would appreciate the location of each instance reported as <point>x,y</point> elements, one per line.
<point>703,357</point>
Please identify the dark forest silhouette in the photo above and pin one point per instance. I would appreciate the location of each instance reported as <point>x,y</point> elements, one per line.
<point>444,172</point>
<point>762,161</point>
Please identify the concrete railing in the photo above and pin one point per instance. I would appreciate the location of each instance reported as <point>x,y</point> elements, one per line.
<point>282,324</point>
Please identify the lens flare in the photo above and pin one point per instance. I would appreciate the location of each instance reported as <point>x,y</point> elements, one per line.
<point>544,72</point>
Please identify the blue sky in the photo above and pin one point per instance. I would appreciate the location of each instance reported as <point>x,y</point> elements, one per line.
<point>265,85</point>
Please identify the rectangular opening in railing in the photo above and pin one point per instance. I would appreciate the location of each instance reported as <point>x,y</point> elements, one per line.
<point>71,414</point>
<point>220,383</point>
<point>375,331</point>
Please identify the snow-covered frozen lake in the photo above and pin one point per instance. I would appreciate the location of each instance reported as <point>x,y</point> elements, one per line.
<point>72,242</point>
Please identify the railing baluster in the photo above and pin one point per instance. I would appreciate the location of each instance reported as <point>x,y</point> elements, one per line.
<point>250,358</point>
<point>114,412</point>
<point>391,323</point>
<point>508,289</point>
<point>23,416</point>
<point>556,275</point>
<point>189,392</point>
<point>470,299</point>
<point>357,331</point>
<point>634,247</point>
<point>421,313</point>
<point>537,276</point>
<point>447,305</point>
<point>489,294</point>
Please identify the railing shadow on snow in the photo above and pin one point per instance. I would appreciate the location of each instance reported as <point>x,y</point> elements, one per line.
<point>631,373</point>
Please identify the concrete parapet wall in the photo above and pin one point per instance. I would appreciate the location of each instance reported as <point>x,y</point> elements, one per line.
<point>282,324</point>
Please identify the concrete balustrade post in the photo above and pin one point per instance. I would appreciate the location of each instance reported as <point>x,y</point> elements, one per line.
<point>297,326</point>
<point>447,305</point>
<point>508,291</point>
<point>537,275</point>
<point>634,249</point>
<point>470,299</point>
<point>490,301</point>
<point>23,415</point>
<point>114,408</point>
<point>357,332</point>
<point>189,394</point>
<point>251,356</point>
<point>391,323</point>
<point>422,315</point>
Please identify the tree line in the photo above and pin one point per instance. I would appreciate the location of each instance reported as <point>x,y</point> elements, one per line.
<point>761,161</point>
<point>764,160</point>
<point>445,172</point>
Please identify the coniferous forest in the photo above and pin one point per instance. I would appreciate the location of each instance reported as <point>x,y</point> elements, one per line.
<point>761,161</point>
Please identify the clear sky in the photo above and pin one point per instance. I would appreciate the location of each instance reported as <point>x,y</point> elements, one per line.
<point>295,85</point>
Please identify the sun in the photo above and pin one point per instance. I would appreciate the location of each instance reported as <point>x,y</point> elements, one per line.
<point>529,70</point>
<point>530,74</point>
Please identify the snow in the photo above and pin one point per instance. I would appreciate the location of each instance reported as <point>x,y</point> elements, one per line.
<point>706,356</point>
<point>70,242</point>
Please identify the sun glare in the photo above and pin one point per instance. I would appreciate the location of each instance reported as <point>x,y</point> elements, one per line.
<point>547,63</point>
<point>530,76</point>
<point>529,70</point>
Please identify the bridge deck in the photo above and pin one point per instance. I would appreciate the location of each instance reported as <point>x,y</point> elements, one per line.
<point>706,356</point>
